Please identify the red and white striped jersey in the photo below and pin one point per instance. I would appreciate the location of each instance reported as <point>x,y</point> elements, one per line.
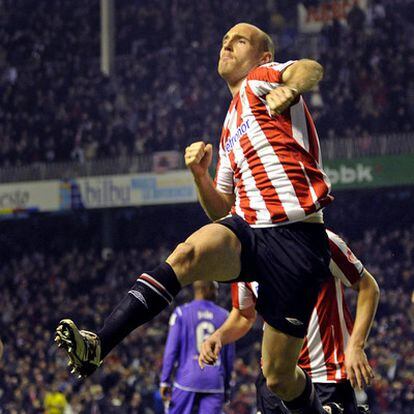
<point>323,352</point>
<point>272,163</point>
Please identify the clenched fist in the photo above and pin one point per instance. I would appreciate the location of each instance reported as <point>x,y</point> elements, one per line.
<point>198,158</point>
<point>281,98</point>
<point>210,351</point>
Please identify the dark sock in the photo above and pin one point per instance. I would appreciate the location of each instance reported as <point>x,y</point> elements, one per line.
<point>152,292</point>
<point>308,402</point>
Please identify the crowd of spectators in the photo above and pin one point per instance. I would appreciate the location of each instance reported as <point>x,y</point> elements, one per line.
<point>56,105</point>
<point>48,273</point>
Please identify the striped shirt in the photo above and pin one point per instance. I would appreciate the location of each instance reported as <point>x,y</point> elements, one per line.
<point>323,352</point>
<point>271,163</point>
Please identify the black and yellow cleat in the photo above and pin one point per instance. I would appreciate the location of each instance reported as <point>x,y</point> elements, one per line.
<point>83,348</point>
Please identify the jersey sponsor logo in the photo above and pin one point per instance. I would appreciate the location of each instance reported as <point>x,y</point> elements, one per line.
<point>294,321</point>
<point>241,130</point>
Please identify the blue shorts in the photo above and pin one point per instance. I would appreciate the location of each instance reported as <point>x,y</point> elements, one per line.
<point>290,263</point>
<point>184,402</point>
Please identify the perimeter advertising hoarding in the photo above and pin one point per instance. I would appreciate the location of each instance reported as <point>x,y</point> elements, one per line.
<point>392,170</point>
<point>127,190</point>
<point>312,16</point>
<point>177,187</point>
<point>31,196</point>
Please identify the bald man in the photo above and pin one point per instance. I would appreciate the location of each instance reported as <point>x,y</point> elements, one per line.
<point>271,186</point>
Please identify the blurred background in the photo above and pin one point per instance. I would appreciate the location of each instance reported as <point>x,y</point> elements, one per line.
<point>98,100</point>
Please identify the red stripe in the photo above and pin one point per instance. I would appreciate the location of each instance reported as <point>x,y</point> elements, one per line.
<point>235,295</point>
<point>265,74</point>
<point>157,285</point>
<point>280,136</point>
<point>304,358</point>
<point>249,213</point>
<point>325,309</point>
<point>346,267</point>
<point>312,134</point>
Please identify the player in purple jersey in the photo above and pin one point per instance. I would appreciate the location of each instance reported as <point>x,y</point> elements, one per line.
<point>190,325</point>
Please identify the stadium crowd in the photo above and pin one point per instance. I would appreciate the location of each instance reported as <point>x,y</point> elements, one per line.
<point>41,283</point>
<point>55,105</point>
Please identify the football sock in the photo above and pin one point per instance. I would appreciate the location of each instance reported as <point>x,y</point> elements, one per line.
<point>152,292</point>
<point>308,402</point>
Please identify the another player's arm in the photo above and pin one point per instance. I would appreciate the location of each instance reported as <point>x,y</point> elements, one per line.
<point>357,366</point>
<point>299,77</point>
<point>171,353</point>
<point>238,323</point>
<point>198,157</point>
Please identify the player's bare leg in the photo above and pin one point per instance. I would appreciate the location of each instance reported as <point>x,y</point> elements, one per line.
<point>211,253</point>
<point>280,353</point>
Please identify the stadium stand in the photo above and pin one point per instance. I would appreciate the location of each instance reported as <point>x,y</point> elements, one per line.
<point>45,275</point>
<point>56,106</point>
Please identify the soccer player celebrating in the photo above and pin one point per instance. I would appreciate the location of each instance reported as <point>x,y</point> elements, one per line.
<point>333,353</point>
<point>270,169</point>
<point>189,326</point>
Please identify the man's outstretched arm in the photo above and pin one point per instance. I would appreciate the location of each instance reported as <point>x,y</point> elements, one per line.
<point>237,324</point>
<point>299,77</point>
<point>357,366</point>
<point>198,157</point>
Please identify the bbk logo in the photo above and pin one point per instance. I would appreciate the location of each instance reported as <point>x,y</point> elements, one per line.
<point>359,173</point>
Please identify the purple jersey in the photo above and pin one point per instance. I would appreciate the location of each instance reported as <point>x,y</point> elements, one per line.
<point>190,324</point>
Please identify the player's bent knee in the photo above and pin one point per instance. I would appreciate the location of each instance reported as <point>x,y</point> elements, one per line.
<point>280,385</point>
<point>183,257</point>
<point>279,379</point>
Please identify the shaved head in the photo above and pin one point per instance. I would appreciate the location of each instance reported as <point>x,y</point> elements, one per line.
<point>244,47</point>
<point>264,41</point>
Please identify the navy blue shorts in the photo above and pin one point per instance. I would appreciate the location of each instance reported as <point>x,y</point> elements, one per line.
<point>290,263</point>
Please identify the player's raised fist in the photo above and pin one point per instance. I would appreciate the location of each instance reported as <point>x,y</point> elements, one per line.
<point>198,158</point>
<point>280,99</point>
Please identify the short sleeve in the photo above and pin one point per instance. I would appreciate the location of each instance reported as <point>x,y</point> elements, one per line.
<point>266,77</point>
<point>242,296</point>
<point>344,265</point>
<point>224,173</point>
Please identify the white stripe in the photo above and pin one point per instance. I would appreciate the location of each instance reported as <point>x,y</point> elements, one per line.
<point>252,192</point>
<point>299,126</point>
<point>273,167</point>
<point>168,294</point>
<point>261,88</point>
<point>315,347</point>
<point>190,389</point>
<point>341,304</point>
<point>154,289</point>
<point>311,190</point>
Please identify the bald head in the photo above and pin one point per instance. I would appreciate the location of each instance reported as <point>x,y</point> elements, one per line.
<point>263,41</point>
<point>244,47</point>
